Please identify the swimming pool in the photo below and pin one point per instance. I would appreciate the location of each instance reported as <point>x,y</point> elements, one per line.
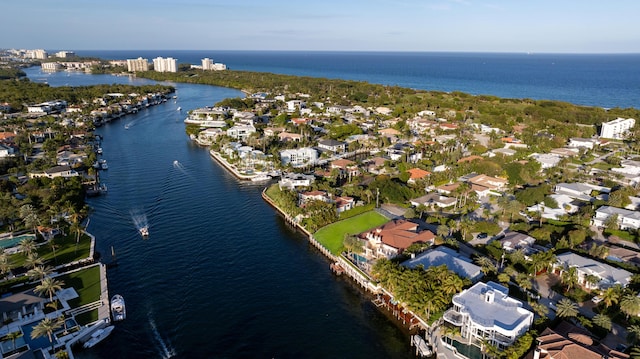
<point>38,343</point>
<point>12,242</point>
<point>468,350</point>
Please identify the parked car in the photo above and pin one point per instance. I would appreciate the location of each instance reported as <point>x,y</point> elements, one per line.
<point>482,235</point>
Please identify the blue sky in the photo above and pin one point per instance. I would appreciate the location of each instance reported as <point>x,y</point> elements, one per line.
<point>566,26</point>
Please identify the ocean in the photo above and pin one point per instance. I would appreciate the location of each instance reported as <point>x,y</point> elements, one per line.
<point>603,80</point>
<point>221,274</point>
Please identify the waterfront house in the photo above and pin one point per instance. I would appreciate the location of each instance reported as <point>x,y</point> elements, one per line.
<point>485,312</point>
<point>606,275</point>
<point>392,238</point>
<point>570,341</point>
<point>455,262</point>
<point>56,171</point>
<point>299,156</point>
<point>332,145</point>
<point>241,132</point>
<point>618,128</point>
<point>293,180</point>
<point>305,197</point>
<point>626,219</point>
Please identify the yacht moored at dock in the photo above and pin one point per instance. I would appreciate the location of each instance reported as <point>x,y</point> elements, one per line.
<point>98,336</point>
<point>118,310</point>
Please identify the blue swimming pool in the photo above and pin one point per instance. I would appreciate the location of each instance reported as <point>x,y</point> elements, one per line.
<point>12,242</point>
<point>38,343</point>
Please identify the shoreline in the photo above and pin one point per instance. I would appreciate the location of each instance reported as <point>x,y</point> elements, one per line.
<point>229,167</point>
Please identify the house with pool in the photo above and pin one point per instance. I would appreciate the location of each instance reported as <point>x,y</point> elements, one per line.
<point>486,312</point>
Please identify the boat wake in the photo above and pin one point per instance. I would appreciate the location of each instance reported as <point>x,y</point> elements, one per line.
<point>180,167</point>
<point>139,220</point>
<point>165,348</point>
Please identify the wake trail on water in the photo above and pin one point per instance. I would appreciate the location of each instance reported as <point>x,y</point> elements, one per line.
<point>139,219</point>
<point>165,348</point>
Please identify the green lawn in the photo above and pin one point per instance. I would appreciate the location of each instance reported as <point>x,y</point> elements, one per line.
<point>331,236</point>
<point>87,317</point>
<point>86,282</point>
<point>66,251</point>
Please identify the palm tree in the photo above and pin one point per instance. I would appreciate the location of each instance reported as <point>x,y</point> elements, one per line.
<point>32,261</point>
<point>13,336</point>
<point>633,334</point>
<point>27,246</point>
<point>39,272</point>
<point>611,295</point>
<point>570,278</point>
<point>603,321</point>
<point>29,216</point>
<point>566,309</point>
<point>539,308</point>
<point>486,265</point>
<point>5,264</point>
<point>46,327</point>
<point>635,353</point>
<point>49,286</point>
<point>630,305</point>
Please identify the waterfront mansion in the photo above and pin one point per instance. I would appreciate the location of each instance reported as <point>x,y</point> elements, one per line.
<point>486,312</point>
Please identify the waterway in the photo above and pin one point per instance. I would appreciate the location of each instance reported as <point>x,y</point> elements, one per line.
<point>221,275</point>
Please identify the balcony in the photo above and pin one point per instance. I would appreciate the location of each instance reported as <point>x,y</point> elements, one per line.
<point>453,317</point>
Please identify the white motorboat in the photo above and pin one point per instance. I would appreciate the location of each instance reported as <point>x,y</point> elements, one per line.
<point>261,178</point>
<point>144,231</point>
<point>118,310</point>
<point>179,108</point>
<point>98,336</point>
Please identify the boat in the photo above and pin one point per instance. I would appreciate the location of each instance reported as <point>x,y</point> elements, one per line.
<point>179,108</point>
<point>118,310</point>
<point>103,165</point>
<point>98,336</point>
<point>126,127</point>
<point>260,178</point>
<point>144,231</point>
<point>99,150</point>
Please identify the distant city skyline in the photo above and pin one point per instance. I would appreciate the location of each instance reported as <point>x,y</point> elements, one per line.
<point>571,26</point>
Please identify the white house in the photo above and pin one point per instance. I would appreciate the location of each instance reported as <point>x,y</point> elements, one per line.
<point>606,275</point>
<point>588,143</point>
<point>293,105</point>
<point>299,156</point>
<point>293,180</point>
<point>486,312</point>
<point>626,219</point>
<point>241,132</point>
<point>617,128</point>
<point>332,145</point>
<point>546,160</point>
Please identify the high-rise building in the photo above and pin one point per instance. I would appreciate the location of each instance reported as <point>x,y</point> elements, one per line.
<point>65,54</point>
<point>617,128</point>
<point>36,54</point>
<point>138,64</point>
<point>208,64</point>
<point>161,64</point>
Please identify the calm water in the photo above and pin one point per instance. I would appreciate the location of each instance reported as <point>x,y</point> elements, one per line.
<point>221,275</point>
<point>593,80</point>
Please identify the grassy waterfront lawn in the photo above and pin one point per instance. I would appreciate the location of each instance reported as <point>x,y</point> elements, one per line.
<point>86,282</point>
<point>332,236</point>
<point>66,251</point>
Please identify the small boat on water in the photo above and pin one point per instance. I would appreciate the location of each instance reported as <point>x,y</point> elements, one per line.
<point>261,178</point>
<point>179,108</point>
<point>118,310</point>
<point>98,336</point>
<point>144,231</point>
<point>103,165</point>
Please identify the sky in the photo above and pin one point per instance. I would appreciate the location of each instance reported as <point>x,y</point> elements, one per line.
<point>552,26</point>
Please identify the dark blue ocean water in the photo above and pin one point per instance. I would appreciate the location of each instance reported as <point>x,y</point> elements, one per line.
<point>592,80</point>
